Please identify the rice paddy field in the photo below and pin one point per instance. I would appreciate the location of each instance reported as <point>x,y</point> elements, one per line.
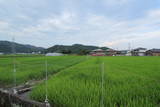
<point>32,67</point>
<point>128,82</point>
<point>80,81</point>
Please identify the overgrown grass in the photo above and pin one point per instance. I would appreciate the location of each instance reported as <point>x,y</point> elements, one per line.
<point>33,68</point>
<point>128,82</point>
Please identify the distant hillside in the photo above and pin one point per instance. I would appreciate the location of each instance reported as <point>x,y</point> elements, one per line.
<point>73,49</point>
<point>6,47</point>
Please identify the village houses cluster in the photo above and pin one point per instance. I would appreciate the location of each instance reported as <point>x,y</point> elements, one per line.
<point>134,52</point>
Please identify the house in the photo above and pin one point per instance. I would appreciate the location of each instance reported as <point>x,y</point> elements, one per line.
<point>54,54</point>
<point>111,52</point>
<point>139,52</point>
<point>121,53</point>
<point>97,52</point>
<point>124,53</point>
<point>153,52</point>
<point>129,53</point>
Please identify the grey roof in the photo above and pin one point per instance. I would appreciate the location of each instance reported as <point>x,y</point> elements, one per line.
<point>139,49</point>
<point>155,50</point>
<point>97,50</point>
<point>54,54</point>
<point>110,50</point>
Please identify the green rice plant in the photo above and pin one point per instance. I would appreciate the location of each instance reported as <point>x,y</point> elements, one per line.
<point>33,68</point>
<point>128,82</point>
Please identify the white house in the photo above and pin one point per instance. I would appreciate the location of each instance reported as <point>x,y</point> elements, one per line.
<point>54,54</point>
<point>139,52</point>
<point>128,53</point>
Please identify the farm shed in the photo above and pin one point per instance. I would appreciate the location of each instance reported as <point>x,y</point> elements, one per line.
<point>97,52</point>
<point>54,54</point>
<point>139,52</point>
<point>153,52</point>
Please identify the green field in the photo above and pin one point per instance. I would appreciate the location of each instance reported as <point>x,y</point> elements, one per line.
<point>128,82</point>
<point>76,81</point>
<point>33,67</point>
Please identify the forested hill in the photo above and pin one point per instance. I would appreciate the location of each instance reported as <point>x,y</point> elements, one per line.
<point>73,49</point>
<point>6,47</point>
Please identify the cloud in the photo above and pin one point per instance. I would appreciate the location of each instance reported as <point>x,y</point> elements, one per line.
<point>88,25</point>
<point>4,25</point>
<point>62,22</point>
<point>154,13</point>
<point>116,42</point>
<point>139,37</point>
<point>116,2</point>
<point>23,17</point>
<point>114,33</point>
<point>54,23</point>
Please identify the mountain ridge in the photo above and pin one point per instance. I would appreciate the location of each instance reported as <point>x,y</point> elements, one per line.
<point>73,49</point>
<point>7,47</point>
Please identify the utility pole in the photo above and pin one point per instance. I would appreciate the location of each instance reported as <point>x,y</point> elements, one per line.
<point>129,46</point>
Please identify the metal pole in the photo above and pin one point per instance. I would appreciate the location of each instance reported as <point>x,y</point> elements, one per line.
<point>46,84</point>
<point>102,84</point>
<point>14,77</point>
<point>46,80</point>
<point>87,57</point>
<point>14,67</point>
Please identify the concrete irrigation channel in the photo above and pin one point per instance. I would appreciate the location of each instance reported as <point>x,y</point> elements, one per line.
<point>21,99</point>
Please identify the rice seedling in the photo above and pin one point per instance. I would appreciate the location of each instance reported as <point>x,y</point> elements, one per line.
<point>32,68</point>
<point>128,82</point>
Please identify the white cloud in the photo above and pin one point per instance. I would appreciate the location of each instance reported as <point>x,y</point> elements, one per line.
<point>115,43</point>
<point>55,23</point>
<point>62,22</point>
<point>23,17</point>
<point>4,27</point>
<point>114,33</point>
<point>116,2</point>
<point>154,13</point>
<point>93,29</point>
<point>139,37</point>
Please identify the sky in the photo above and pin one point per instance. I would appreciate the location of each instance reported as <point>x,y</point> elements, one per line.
<point>110,23</point>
